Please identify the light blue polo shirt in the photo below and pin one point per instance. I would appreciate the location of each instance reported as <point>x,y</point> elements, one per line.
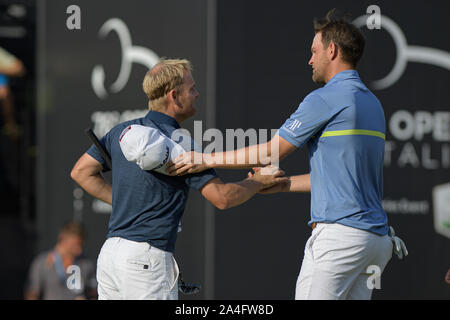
<point>343,125</point>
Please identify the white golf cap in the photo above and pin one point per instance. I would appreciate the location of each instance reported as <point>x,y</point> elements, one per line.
<point>148,147</point>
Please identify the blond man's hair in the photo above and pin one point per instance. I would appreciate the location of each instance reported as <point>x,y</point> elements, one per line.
<point>166,75</point>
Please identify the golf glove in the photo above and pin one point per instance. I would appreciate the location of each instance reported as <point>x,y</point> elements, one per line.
<point>399,246</point>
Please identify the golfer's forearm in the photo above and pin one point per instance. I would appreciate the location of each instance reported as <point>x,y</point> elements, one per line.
<point>96,186</point>
<point>300,183</point>
<point>252,156</point>
<point>239,192</point>
<point>13,70</point>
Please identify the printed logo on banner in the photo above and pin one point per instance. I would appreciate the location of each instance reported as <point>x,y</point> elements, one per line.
<point>130,54</point>
<point>405,53</point>
<point>441,204</point>
<point>420,139</point>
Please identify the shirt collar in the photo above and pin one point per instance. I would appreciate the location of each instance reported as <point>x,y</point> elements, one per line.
<point>344,75</point>
<point>162,118</point>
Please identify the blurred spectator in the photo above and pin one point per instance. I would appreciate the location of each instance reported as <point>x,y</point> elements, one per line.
<point>10,66</point>
<point>52,275</point>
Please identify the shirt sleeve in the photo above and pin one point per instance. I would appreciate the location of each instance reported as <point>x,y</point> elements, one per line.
<point>310,117</point>
<point>198,180</point>
<point>95,153</point>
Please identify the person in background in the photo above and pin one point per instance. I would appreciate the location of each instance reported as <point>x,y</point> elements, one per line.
<point>62,273</point>
<point>10,66</point>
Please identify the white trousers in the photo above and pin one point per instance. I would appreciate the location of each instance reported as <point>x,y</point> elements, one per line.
<point>129,270</point>
<point>341,262</point>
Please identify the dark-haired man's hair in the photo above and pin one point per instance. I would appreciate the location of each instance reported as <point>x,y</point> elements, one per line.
<point>347,37</point>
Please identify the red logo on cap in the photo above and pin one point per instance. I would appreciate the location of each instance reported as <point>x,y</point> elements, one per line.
<point>123,133</point>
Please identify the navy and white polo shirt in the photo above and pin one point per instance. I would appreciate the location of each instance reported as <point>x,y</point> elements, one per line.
<point>146,206</point>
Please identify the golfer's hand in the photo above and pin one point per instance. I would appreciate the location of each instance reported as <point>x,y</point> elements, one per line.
<point>269,176</point>
<point>186,163</point>
<point>282,186</point>
<point>447,277</point>
<point>399,246</point>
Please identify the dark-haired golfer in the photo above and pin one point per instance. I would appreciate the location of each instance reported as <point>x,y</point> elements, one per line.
<point>343,125</point>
